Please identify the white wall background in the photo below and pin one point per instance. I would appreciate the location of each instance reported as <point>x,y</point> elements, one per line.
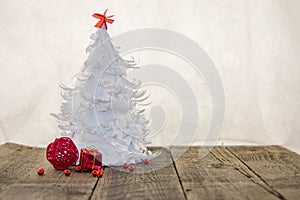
<point>254,44</point>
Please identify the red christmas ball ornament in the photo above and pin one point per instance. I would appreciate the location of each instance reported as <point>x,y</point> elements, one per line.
<point>78,169</point>
<point>62,153</point>
<point>146,161</point>
<point>67,172</point>
<point>131,167</point>
<point>95,173</point>
<point>125,165</point>
<point>40,171</point>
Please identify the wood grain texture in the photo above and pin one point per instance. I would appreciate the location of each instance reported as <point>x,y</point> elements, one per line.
<point>159,181</point>
<point>219,175</point>
<point>276,166</point>
<point>19,178</point>
<point>268,172</point>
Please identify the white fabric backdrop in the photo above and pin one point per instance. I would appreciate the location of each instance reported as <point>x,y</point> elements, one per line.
<point>254,44</point>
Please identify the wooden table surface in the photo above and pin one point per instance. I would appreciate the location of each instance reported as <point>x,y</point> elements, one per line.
<point>264,172</point>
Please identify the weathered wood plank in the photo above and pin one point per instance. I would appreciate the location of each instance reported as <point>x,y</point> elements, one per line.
<point>19,178</point>
<point>270,172</point>
<point>219,175</point>
<point>278,167</point>
<point>159,181</point>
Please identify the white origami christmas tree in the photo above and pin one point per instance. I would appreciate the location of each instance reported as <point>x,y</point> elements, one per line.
<point>101,108</point>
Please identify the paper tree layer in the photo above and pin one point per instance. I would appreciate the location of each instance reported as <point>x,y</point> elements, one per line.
<point>101,108</point>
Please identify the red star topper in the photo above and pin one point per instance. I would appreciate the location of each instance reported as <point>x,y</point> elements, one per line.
<point>103,19</point>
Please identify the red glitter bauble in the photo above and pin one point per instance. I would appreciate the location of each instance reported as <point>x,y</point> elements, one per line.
<point>62,153</point>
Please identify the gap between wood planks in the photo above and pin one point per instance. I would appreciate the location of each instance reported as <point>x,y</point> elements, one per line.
<point>100,181</point>
<point>178,177</point>
<point>94,188</point>
<point>247,171</point>
<point>243,163</point>
<point>225,156</point>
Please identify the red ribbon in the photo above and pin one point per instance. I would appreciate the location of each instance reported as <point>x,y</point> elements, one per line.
<point>103,19</point>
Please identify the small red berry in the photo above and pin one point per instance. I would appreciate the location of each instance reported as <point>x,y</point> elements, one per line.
<point>78,169</point>
<point>100,173</point>
<point>95,173</point>
<point>131,167</point>
<point>125,165</point>
<point>40,171</point>
<point>67,172</point>
<point>146,161</point>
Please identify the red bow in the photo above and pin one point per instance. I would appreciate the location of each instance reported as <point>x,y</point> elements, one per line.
<point>103,19</point>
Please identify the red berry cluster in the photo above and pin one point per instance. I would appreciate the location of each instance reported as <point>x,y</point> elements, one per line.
<point>67,172</point>
<point>98,173</point>
<point>131,167</point>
